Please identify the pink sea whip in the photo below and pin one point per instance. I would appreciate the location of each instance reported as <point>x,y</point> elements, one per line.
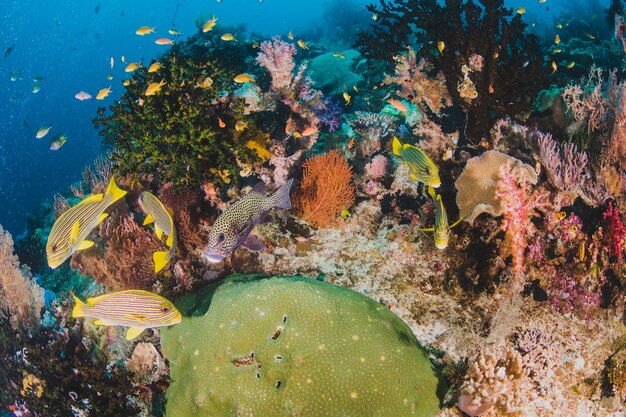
<point>614,232</point>
<point>518,206</point>
<point>277,56</point>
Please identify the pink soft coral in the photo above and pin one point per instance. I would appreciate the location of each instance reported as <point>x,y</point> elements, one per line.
<point>614,232</point>
<point>518,205</point>
<point>277,56</point>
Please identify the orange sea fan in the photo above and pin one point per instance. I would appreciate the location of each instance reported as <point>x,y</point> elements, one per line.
<point>326,189</point>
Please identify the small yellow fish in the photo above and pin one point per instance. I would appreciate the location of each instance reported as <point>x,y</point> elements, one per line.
<point>542,1</point>
<point>228,37</point>
<point>209,25</point>
<point>560,216</point>
<point>441,229</point>
<point>374,17</point>
<point>174,32</point>
<point>70,230</point>
<point>244,78</point>
<point>110,77</point>
<point>339,55</point>
<point>557,39</point>
<point>204,82</point>
<point>154,88</point>
<point>144,30</point>
<point>103,93</point>
<point>441,46</point>
<point>557,50</point>
<point>554,67</point>
<point>422,167</point>
<point>43,131</point>
<point>240,126</point>
<point>163,224</point>
<point>570,65</point>
<point>136,309</point>
<point>154,67</point>
<point>356,89</point>
<point>123,59</point>
<point>126,83</point>
<point>346,97</point>
<point>345,214</point>
<point>255,45</point>
<point>132,67</point>
<point>112,62</point>
<point>559,26</point>
<point>290,35</point>
<point>521,10</point>
<point>590,35</point>
<point>302,44</point>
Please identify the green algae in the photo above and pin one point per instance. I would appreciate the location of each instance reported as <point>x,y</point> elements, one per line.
<point>294,346</point>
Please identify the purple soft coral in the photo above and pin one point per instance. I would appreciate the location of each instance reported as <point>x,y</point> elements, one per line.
<point>330,114</point>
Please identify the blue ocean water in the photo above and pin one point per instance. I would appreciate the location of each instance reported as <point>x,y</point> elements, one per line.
<point>69,44</point>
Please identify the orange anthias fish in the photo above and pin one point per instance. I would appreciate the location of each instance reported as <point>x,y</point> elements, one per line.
<point>154,88</point>
<point>164,41</point>
<point>309,131</point>
<point>144,30</point>
<point>221,123</point>
<point>398,105</point>
<point>209,25</point>
<point>103,93</point>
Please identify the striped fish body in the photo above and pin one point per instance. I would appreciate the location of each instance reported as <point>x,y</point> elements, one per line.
<point>71,229</point>
<point>232,228</point>
<point>135,309</point>
<point>422,167</point>
<point>163,224</point>
<point>442,229</point>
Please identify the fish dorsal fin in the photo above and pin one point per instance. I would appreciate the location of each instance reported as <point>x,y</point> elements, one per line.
<point>114,191</point>
<point>149,219</point>
<point>133,332</point>
<point>396,146</point>
<point>100,322</point>
<point>158,231</point>
<point>431,192</point>
<point>92,198</point>
<point>259,188</point>
<point>74,232</point>
<point>85,244</point>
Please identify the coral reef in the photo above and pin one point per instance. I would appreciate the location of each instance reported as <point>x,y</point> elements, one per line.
<point>291,341</point>
<point>512,68</point>
<point>326,189</point>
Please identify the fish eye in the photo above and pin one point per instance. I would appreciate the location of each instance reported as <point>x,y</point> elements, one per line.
<point>165,309</point>
<point>221,237</point>
<point>54,248</point>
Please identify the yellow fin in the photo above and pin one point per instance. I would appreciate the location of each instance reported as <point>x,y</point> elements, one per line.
<point>414,177</point>
<point>160,260</point>
<point>100,322</point>
<point>92,198</point>
<point>113,190</point>
<point>170,239</point>
<point>74,231</point>
<point>158,231</point>
<point>396,146</point>
<point>149,219</point>
<point>133,332</point>
<point>85,244</point>
<point>102,217</point>
<point>77,311</point>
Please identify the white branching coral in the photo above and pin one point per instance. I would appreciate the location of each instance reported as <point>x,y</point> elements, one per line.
<point>497,379</point>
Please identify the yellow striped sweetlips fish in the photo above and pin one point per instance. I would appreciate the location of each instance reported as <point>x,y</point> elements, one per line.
<point>136,309</point>
<point>441,229</point>
<point>163,224</point>
<point>71,229</point>
<point>422,167</point>
<point>232,228</point>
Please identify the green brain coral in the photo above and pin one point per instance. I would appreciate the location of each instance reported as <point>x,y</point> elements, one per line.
<point>294,346</point>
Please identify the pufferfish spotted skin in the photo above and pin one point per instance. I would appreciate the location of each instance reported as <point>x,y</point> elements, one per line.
<point>232,228</point>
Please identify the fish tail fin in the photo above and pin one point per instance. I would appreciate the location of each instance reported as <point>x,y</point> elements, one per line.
<point>77,311</point>
<point>114,191</point>
<point>160,260</point>
<point>396,146</point>
<point>281,199</point>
